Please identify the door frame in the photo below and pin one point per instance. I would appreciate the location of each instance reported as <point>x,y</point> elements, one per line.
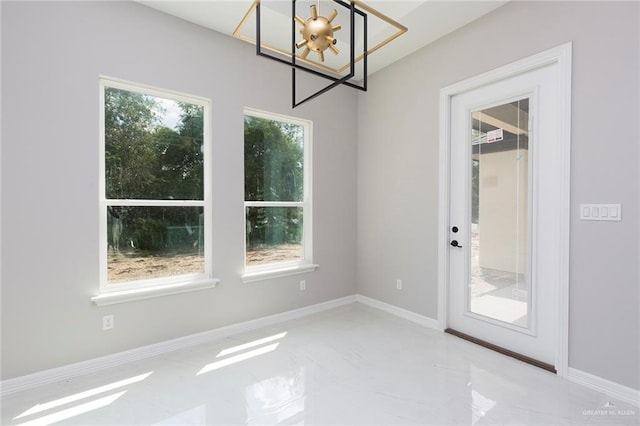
<point>561,57</point>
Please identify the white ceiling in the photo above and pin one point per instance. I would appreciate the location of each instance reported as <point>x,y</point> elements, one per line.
<point>427,21</point>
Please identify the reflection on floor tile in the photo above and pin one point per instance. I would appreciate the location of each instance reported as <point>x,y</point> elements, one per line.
<point>352,365</point>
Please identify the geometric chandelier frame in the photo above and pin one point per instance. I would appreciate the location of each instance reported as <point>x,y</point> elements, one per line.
<point>336,81</point>
<point>319,68</point>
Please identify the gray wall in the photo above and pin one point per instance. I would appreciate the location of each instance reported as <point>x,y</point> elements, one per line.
<point>398,167</point>
<point>52,54</point>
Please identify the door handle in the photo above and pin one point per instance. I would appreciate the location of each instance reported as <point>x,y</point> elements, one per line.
<point>454,243</point>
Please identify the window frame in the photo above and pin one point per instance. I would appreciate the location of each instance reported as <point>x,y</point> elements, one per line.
<point>150,287</point>
<point>278,269</point>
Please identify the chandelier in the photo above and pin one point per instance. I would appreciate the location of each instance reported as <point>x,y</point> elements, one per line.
<point>317,34</point>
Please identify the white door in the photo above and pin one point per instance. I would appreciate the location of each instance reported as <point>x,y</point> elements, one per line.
<point>503,273</point>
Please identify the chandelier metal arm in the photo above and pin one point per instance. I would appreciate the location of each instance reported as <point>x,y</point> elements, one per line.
<point>296,66</point>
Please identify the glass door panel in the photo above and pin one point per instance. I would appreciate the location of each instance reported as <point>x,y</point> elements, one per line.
<point>500,281</point>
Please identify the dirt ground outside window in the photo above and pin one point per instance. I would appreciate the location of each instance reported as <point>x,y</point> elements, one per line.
<point>130,267</point>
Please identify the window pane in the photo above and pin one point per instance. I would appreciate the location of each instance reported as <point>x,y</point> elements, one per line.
<point>153,242</point>
<point>500,283</point>
<point>273,160</point>
<point>274,234</point>
<point>153,147</point>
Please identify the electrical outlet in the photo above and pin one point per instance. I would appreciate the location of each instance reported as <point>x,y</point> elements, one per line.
<point>399,284</point>
<point>107,322</point>
<point>303,285</point>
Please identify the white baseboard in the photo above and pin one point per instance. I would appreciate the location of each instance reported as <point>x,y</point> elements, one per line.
<point>612,389</point>
<point>402,313</point>
<point>97,364</point>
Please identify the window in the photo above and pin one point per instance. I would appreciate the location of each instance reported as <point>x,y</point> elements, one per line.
<point>277,185</point>
<point>155,188</point>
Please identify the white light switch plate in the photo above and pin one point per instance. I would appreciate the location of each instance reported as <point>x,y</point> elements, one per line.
<point>610,212</point>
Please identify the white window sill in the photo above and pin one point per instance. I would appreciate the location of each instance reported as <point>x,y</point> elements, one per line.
<point>124,296</point>
<point>277,273</point>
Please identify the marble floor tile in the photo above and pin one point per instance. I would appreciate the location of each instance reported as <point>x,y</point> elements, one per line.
<point>353,365</point>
